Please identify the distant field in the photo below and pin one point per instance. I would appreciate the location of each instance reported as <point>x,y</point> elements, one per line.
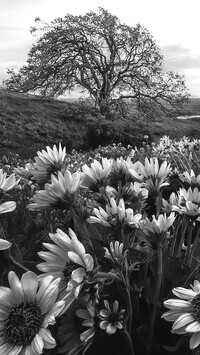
<point>29,124</point>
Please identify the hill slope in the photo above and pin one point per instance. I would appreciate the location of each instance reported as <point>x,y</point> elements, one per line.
<point>29,124</point>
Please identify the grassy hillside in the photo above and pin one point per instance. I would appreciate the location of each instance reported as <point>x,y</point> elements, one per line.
<point>28,124</point>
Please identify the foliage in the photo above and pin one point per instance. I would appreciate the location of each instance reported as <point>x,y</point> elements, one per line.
<point>109,60</point>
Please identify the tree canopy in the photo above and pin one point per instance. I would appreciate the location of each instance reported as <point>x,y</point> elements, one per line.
<point>97,53</point>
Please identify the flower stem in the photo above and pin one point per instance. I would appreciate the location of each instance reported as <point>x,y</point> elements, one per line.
<point>157,294</point>
<point>18,265</point>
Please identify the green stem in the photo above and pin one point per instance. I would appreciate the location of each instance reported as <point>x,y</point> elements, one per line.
<point>157,294</point>
<point>18,265</point>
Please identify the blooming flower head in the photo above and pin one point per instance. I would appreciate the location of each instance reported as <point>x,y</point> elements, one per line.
<point>27,308</point>
<point>7,184</point>
<point>67,259</point>
<point>24,172</point>
<point>123,171</point>
<point>97,176</point>
<point>135,196</point>
<point>60,193</point>
<point>190,178</point>
<point>47,163</point>
<point>111,319</point>
<point>184,311</point>
<point>154,176</point>
<point>187,202</point>
<point>115,214</point>
<point>156,229</point>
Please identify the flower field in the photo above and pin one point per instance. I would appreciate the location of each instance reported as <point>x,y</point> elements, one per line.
<point>100,251</point>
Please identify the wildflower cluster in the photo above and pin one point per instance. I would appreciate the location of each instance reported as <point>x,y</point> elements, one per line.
<point>108,237</point>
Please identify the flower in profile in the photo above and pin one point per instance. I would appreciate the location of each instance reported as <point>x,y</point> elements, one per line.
<point>27,308</point>
<point>157,229</point>
<point>60,193</point>
<point>4,244</point>
<point>97,176</point>
<point>135,196</point>
<point>186,202</point>
<point>123,171</point>
<point>47,163</point>
<point>68,260</point>
<point>154,176</point>
<point>184,311</point>
<point>24,172</point>
<point>7,183</point>
<point>115,214</point>
<point>111,320</point>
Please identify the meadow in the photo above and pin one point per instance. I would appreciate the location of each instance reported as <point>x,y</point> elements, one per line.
<point>99,246</point>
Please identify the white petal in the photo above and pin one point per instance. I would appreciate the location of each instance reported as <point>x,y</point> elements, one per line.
<point>194,340</point>
<point>184,293</point>
<point>29,282</point>
<point>193,327</point>
<point>182,321</point>
<point>16,286</point>
<point>49,341</point>
<point>37,344</point>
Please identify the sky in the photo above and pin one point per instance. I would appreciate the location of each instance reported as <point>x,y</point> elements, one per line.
<point>174,25</point>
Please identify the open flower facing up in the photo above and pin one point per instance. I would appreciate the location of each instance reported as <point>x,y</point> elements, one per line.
<point>154,176</point>
<point>4,244</point>
<point>7,183</point>
<point>184,311</point>
<point>115,214</point>
<point>67,259</point>
<point>97,176</point>
<point>156,229</point>
<point>60,193</point>
<point>47,163</point>
<point>111,320</point>
<point>27,308</point>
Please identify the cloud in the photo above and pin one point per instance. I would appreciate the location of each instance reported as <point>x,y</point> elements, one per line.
<point>179,58</point>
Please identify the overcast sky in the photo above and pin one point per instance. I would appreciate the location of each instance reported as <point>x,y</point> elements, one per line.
<point>174,24</point>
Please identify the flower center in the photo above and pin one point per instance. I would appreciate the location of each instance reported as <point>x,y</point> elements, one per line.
<point>196,307</point>
<point>23,323</point>
<point>70,266</point>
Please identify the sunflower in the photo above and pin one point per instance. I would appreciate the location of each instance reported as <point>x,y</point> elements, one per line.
<point>27,308</point>
<point>185,312</point>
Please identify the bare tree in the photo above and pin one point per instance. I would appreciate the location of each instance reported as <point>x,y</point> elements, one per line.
<point>108,59</point>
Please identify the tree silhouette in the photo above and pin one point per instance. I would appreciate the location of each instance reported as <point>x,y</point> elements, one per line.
<point>97,53</point>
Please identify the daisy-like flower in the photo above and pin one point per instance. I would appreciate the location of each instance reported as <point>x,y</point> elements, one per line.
<point>135,196</point>
<point>27,308</point>
<point>156,229</point>
<point>47,163</point>
<point>97,176</point>
<point>187,202</point>
<point>111,320</point>
<point>115,214</point>
<point>184,311</point>
<point>67,259</point>
<point>4,244</point>
<point>60,193</point>
<point>154,176</point>
<point>7,183</point>
<point>124,170</point>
